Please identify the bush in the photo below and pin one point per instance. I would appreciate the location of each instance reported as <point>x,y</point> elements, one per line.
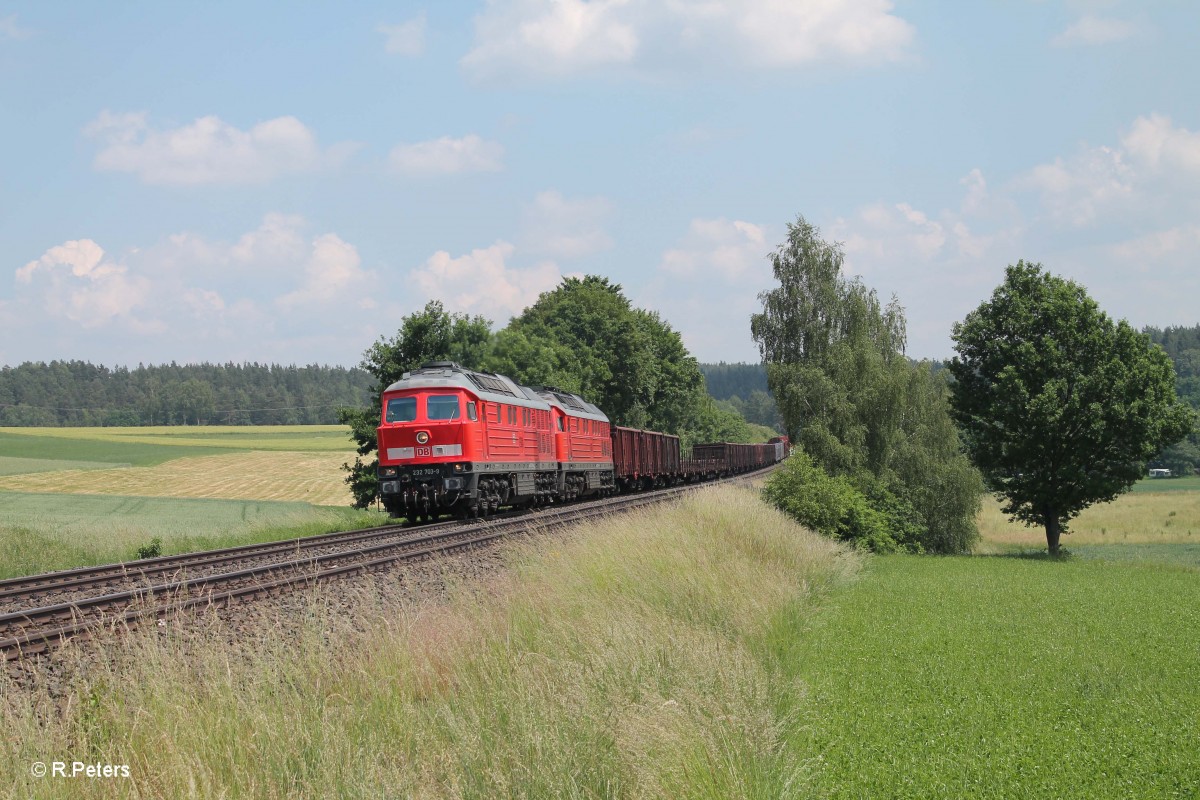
<point>152,550</point>
<point>833,506</point>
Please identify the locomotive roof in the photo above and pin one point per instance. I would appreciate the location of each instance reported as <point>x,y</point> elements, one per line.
<point>486,385</point>
<point>570,404</point>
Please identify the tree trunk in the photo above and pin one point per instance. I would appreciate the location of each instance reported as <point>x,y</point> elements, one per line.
<point>1053,532</point>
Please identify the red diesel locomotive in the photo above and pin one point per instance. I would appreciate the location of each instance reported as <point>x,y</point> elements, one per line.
<point>456,441</point>
<point>452,440</point>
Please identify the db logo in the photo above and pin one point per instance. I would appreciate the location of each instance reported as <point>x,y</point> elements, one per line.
<point>424,451</point>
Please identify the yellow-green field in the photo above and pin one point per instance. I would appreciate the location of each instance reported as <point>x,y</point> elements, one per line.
<point>1148,515</point>
<point>308,438</point>
<point>315,478</point>
<point>76,496</point>
<point>290,463</point>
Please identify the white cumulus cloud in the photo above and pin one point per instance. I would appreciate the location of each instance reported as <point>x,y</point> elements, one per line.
<point>721,249</point>
<point>79,283</point>
<point>566,228</point>
<point>1076,190</point>
<point>446,156</point>
<point>1092,30</point>
<point>206,151</point>
<point>706,285</point>
<point>1156,141</point>
<point>1153,168</point>
<point>483,282</point>
<point>333,277</point>
<point>405,38</point>
<point>9,28</point>
<point>549,38</point>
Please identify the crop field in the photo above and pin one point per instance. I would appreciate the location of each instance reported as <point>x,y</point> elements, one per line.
<point>314,478</point>
<point>75,496</point>
<point>282,463</point>
<point>304,438</point>
<point>1004,677</point>
<point>1157,512</point>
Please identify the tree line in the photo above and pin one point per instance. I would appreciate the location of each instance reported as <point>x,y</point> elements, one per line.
<point>77,393</point>
<point>742,388</point>
<point>1182,346</point>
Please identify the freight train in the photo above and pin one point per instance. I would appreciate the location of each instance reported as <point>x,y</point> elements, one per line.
<point>466,443</point>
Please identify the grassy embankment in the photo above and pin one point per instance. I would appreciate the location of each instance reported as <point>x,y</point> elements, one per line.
<point>632,658</point>
<point>76,496</point>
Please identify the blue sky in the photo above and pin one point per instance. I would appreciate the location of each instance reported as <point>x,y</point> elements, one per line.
<point>283,182</point>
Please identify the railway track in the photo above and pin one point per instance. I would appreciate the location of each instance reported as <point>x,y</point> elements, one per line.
<point>76,601</point>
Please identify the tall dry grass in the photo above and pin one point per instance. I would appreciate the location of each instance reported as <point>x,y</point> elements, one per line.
<point>626,659</point>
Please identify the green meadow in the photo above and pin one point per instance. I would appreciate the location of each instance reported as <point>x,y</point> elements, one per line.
<point>46,532</point>
<point>1003,677</point>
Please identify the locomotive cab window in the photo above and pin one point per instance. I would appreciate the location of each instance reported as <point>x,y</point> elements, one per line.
<point>560,424</point>
<point>401,409</point>
<point>471,415</point>
<point>442,406</point>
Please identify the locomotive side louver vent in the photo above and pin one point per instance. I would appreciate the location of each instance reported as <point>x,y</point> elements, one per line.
<point>570,401</point>
<point>490,383</point>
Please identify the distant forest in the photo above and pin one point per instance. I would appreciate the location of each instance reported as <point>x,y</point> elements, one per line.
<point>1183,346</point>
<point>743,388</point>
<point>76,393</point>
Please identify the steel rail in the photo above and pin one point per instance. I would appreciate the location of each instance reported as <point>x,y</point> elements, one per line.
<point>90,613</point>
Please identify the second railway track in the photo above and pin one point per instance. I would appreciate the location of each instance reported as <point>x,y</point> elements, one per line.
<point>73,601</point>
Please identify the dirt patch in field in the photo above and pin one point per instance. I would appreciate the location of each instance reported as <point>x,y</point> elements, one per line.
<point>315,478</point>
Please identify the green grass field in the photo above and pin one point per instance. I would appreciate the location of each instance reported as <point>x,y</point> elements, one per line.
<point>1158,485</point>
<point>1004,677</point>
<point>45,532</point>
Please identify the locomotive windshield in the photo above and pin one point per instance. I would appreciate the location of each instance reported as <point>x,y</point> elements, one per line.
<point>402,409</point>
<point>442,406</point>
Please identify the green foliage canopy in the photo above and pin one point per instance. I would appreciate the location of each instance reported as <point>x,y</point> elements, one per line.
<point>1061,407</point>
<point>835,507</point>
<point>1183,346</point>
<point>852,400</point>
<point>584,336</point>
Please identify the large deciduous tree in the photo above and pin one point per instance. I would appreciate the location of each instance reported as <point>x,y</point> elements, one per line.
<point>848,395</point>
<point>585,336</point>
<point>1061,407</point>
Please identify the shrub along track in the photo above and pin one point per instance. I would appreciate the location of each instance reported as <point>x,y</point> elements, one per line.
<point>129,592</point>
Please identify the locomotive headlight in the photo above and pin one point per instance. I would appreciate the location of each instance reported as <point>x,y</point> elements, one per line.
<point>422,437</point>
<point>388,472</point>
